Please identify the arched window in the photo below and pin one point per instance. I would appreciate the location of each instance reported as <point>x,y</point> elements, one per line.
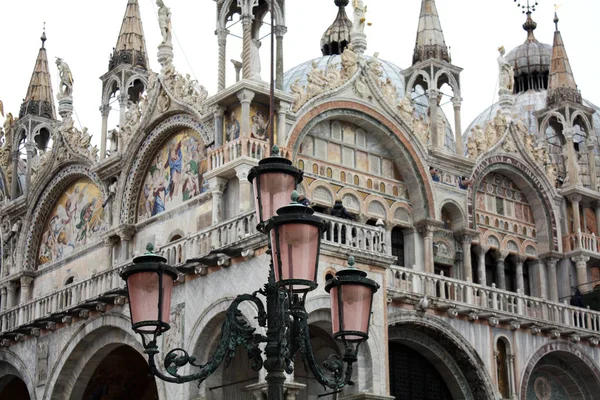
<point>398,245</point>
<point>502,369</point>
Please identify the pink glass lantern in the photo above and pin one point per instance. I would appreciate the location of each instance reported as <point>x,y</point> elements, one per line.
<point>295,242</point>
<point>273,179</point>
<point>149,285</point>
<point>351,304</point>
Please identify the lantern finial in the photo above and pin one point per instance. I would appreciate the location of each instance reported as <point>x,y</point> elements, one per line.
<point>295,196</point>
<point>275,151</point>
<point>150,248</point>
<point>351,262</point>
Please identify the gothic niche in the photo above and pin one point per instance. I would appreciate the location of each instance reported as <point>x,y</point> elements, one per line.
<point>345,152</point>
<point>76,220</point>
<point>175,174</point>
<point>503,208</point>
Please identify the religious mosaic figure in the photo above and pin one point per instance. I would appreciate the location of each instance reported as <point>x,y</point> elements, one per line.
<point>65,87</point>
<point>233,127</point>
<point>76,220</point>
<point>258,129</point>
<point>174,176</point>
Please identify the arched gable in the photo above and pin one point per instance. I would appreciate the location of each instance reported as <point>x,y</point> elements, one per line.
<point>74,183</point>
<point>140,161</point>
<point>416,176</point>
<point>535,188</point>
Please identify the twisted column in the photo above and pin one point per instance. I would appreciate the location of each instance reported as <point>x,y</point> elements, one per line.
<point>222,39</point>
<point>247,44</point>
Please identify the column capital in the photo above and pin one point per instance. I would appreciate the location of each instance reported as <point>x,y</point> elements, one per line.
<point>575,198</point>
<point>123,98</point>
<point>580,261</point>
<point>217,184</point>
<point>218,111</point>
<point>11,286</point>
<point>26,281</point>
<point>222,34</point>
<point>242,171</point>
<point>521,258</point>
<point>126,231</point>
<point>280,30</point>
<point>500,255</point>
<point>568,133</point>
<point>480,250</point>
<point>466,235</point>
<point>433,93</point>
<point>245,95</point>
<point>105,109</point>
<point>283,107</point>
<point>457,101</point>
<point>551,261</point>
<point>428,226</point>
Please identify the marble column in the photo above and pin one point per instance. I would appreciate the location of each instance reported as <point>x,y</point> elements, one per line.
<point>14,188</point>
<point>126,233</point>
<point>500,256</point>
<point>582,272</point>
<point>26,282</point>
<point>467,266</point>
<point>519,274</point>
<point>246,43</point>
<point>218,115</point>
<point>104,112</point>
<point>245,196</point>
<point>245,96</point>
<point>426,229</point>
<point>575,199</point>
<point>456,102</point>
<point>31,152</point>
<point>280,31</point>
<point>217,186</point>
<point>11,294</point>
<point>222,40</point>
<point>281,123</point>
<point>433,113</point>
<point>592,164</point>
<point>3,298</point>
<point>481,251</point>
<point>552,279</point>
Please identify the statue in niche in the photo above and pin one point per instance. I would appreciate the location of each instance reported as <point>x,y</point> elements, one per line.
<point>65,88</point>
<point>507,74</point>
<point>255,59</point>
<point>164,21</point>
<point>113,136</point>
<point>232,130</point>
<point>360,13</point>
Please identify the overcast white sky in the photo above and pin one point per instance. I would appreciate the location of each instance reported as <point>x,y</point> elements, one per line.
<point>83,32</point>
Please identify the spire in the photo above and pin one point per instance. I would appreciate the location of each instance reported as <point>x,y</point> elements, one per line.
<point>337,37</point>
<point>430,37</point>
<point>131,45</point>
<point>39,99</point>
<point>561,84</point>
<point>530,26</point>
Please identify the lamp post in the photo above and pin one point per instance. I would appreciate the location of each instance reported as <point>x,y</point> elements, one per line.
<point>295,236</point>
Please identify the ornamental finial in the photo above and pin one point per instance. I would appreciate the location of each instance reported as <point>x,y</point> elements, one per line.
<point>295,196</point>
<point>275,151</point>
<point>351,262</point>
<point>150,248</point>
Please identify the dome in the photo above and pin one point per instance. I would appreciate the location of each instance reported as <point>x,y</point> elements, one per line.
<point>300,73</point>
<point>530,61</point>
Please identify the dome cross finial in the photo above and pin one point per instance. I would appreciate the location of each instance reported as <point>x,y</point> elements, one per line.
<point>43,38</point>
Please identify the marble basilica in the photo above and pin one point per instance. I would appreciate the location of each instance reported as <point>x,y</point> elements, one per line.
<point>484,240</point>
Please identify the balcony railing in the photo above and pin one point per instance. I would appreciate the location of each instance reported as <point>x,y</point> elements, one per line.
<point>582,241</point>
<point>354,236</point>
<point>242,147</point>
<point>492,302</point>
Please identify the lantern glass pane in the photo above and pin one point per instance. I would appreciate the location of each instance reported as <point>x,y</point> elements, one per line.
<point>275,189</point>
<point>298,249</point>
<point>356,308</point>
<point>143,298</point>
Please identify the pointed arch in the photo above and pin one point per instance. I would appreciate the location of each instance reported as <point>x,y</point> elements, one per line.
<point>451,81</point>
<point>419,76</point>
<point>535,187</point>
<point>227,8</point>
<point>416,176</point>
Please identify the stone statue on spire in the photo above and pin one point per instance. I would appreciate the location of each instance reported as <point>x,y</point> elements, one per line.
<point>507,74</point>
<point>164,21</point>
<point>66,79</point>
<point>360,12</point>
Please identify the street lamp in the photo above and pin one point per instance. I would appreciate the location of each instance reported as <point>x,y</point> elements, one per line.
<point>295,236</point>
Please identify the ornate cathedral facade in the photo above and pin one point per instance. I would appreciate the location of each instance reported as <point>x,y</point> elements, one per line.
<point>484,240</point>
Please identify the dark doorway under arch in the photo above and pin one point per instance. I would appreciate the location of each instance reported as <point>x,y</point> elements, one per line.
<point>13,388</point>
<point>413,377</point>
<point>122,374</point>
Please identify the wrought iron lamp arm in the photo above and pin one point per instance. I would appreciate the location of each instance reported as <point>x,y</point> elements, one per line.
<point>334,365</point>
<point>235,332</point>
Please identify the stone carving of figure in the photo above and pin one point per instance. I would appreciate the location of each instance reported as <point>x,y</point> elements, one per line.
<point>316,81</point>
<point>255,59</point>
<point>552,173</point>
<point>374,65</point>
<point>507,74</point>
<point>164,21</point>
<point>389,92</point>
<point>360,12</point>
<point>500,124</point>
<point>113,136</point>
<point>65,87</point>
<point>405,106</point>
<point>490,134</point>
<point>299,93</point>
<point>349,62</point>
<point>479,138</point>
<point>421,131</point>
<point>333,76</point>
<point>8,122</point>
<point>471,148</point>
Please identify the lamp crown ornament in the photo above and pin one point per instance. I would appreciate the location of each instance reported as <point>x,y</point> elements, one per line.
<point>351,262</point>
<point>150,248</point>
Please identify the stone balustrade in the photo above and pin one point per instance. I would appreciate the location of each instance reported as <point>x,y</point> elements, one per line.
<point>63,299</point>
<point>582,241</point>
<point>491,302</point>
<point>241,147</point>
<point>354,236</point>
